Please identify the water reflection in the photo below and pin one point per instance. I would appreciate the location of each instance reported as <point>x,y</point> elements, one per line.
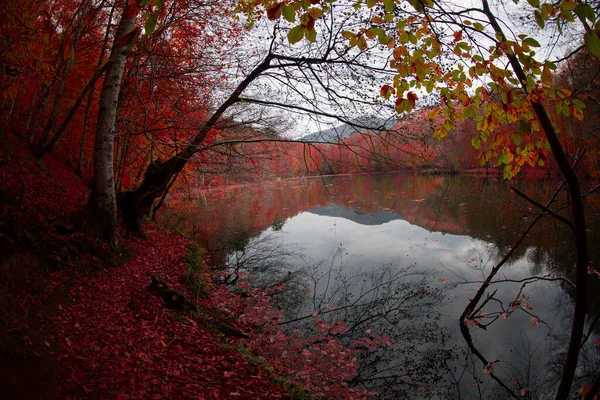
<point>330,241</point>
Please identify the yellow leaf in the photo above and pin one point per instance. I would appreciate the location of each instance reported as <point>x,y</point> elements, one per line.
<point>547,76</point>
<point>362,43</point>
<point>316,13</point>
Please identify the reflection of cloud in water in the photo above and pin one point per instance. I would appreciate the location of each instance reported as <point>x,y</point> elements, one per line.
<point>401,243</point>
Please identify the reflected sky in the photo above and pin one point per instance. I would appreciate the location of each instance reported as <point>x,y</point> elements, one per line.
<point>451,258</point>
<point>451,229</point>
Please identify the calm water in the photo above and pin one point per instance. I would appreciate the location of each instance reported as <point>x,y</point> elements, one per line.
<point>402,255</point>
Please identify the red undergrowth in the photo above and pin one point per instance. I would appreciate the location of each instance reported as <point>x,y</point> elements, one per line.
<point>118,340</point>
<point>79,326</point>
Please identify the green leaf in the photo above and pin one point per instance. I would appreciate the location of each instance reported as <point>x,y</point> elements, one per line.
<point>388,5</point>
<point>347,34</point>
<point>413,38</point>
<point>421,72</point>
<point>417,5</point>
<point>371,3</point>
<point>579,104</point>
<point>476,142</point>
<point>516,139</point>
<point>584,11</point>
<point>288,12</point>
<point>150,24</point>
<point>546,10</point>
<point>568,15</point>
<point>534,3</point>
<point>430,86</point>
<point>296,34</point>
<point>592,42</point>
<point>523,127</point>
<point>400,107</point>
<point>311,36</point>
<point>478,26</point>
<point>525,60</point>
<point>531,42</point>
<point>568,5</point>
<point>539,19</point>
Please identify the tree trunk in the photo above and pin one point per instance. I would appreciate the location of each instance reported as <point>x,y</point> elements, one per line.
<point>86,117</point>
<point>43,149</point>
<point>578,220</point>
<point>102,205</point>
<point>134,205</point>
<point>161,201</point>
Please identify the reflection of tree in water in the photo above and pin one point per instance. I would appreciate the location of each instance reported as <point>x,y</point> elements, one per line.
<point>483,209</point>
<point>388,301</point>
<point>277,224</point>
<point>264,263</point>
<point>393,301</point>
<point>534,361</point>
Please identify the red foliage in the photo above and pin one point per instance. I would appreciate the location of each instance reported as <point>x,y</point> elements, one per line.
<point>118,340</point>
<point>115,339</point>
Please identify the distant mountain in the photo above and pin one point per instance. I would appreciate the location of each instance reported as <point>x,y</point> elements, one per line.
<point>335,134</point>
<point>334,210</point>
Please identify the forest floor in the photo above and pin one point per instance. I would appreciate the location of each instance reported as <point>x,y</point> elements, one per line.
<point>78,320</point>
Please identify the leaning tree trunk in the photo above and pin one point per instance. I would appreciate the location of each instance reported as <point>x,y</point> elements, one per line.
<point>102,205</point>
<point>579,225</point>
<point>134,205</point>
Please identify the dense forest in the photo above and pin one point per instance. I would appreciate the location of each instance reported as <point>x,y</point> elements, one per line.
<point>109,109</point>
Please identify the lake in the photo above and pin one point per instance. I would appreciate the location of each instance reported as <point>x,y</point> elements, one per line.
<point>402,255</point>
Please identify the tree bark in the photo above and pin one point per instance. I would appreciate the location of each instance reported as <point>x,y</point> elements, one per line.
<point>86,117</point>
<point>43,149</point>
<point>578,219</point>
<point>134,205</point>
<point>102,204</point>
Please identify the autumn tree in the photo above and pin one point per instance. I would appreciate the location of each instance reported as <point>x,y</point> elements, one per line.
<point>326,58</point>
<point>154,93</point>
<point>468,54</point>
<point>302,76</point>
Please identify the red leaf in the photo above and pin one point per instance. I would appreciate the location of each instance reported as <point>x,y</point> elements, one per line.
<point>133,9</point>
<point>310,25</point>
<point>412,98</point>
<point>128,38</point>
<point>274,12</point>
